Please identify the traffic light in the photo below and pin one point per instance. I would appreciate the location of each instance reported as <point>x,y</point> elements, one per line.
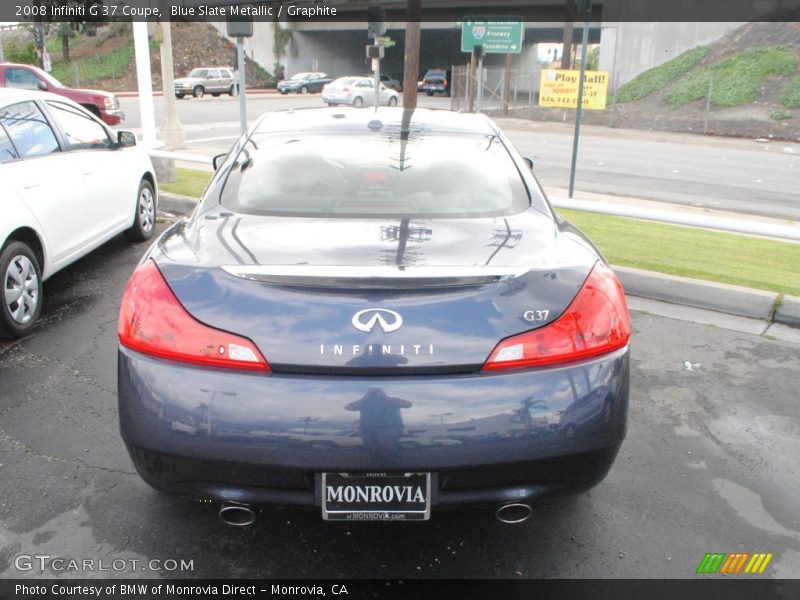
<point>375,17</point>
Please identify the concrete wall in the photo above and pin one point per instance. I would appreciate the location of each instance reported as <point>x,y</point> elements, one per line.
<point>629,48</point>
<point>258,47</point>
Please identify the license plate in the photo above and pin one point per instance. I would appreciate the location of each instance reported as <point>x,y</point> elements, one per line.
<point>376,496</point>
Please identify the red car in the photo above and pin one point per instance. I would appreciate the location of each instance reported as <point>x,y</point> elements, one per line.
<point>103,105</point>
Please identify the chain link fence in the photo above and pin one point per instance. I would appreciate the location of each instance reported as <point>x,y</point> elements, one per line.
<point>523,88</point>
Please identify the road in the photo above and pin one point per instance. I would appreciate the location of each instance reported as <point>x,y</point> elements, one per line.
<point>710,464</point>
<point>718,173</point>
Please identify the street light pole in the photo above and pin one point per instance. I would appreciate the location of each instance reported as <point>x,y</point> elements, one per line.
<point>411,59</point>
<point>242,84</point>
<point>171,131</point>
<point>587,14</point>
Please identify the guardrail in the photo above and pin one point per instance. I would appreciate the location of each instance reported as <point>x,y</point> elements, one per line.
<point>733,225</point>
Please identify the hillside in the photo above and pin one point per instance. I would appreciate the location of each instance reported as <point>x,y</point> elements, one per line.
<point>106,59</point>
<point>753,74</point>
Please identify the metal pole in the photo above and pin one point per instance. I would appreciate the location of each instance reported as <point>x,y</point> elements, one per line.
<point>587,13</point>
<point>242,84</point>
<point>377,72</point>
<point>708,103</point>
<point>2,56</point>
<point>144,82</point>
<point>480,84</point>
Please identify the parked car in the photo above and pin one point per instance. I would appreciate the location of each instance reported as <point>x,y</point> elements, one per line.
<point>391,82</point>
<point>342,280</point>
<point>304,83</point>
<point>207,80</point>
<point>103,105</point>
<point>436,81</point>
<point>357,91</point>
<point>69,184</point>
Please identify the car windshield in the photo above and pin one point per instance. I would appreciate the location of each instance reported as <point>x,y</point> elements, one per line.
<point>300,76</point>
<point>201,73</point>
<point>435,73</point>
<point>343,81</point>
<point>377,175</point>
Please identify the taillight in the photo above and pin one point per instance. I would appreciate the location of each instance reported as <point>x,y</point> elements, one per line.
<point>445,83</point>
<point>152,321</point>
<point>596,322</point>
<point>424,80</point>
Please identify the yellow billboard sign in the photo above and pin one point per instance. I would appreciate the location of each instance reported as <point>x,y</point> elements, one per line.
<point>560,88</point>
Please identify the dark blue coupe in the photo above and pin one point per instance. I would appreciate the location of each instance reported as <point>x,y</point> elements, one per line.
<point>375,313</point>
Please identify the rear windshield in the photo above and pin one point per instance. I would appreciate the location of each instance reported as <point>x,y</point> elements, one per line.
<point>376,175</point>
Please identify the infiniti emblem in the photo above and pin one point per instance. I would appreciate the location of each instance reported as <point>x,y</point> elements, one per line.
<point>364,320</point>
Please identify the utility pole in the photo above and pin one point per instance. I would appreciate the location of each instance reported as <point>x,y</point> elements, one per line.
<point>566,51</point>
<point>242,83</point>
<point>411,59</point>
<point>473,64</point>
<point>479,54</point>
<point>586,8</point>
<point>2,56</point>
<point>171,132</point>
<point>144,82</point>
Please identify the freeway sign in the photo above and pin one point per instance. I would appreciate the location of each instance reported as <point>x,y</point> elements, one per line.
<point>496,37</point>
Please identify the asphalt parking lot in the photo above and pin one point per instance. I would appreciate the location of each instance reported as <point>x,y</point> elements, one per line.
<point>710,465</point>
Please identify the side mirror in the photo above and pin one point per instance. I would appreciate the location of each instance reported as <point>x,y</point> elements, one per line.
<point>529,162</point>
<point>126,139</point>
<point>217,160</point>
<point>41,85</point>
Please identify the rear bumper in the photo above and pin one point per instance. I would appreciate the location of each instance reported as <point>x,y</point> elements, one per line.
<point>265,438</point>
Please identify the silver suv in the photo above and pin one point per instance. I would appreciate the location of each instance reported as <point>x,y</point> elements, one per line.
<point>206,80</point>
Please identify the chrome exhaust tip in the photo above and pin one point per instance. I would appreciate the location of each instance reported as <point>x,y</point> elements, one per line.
<point>236,515</point>
<point>514,513</point>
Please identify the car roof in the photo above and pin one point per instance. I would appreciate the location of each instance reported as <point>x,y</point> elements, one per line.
<point>389,119</point>
<point>12,95</point>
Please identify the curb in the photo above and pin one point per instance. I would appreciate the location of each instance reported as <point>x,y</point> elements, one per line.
<point>719,297</point>
<point>160,93</point>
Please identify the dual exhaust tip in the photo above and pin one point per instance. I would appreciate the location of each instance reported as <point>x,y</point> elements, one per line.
<point>236,514</point>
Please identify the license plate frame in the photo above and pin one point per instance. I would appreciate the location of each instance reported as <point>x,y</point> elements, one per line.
<point>377,511</point>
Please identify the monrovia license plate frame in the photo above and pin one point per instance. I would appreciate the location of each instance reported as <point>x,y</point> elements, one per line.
<point>375,496</point>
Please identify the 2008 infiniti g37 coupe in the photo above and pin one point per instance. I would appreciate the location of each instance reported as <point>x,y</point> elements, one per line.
<point>374,313</point>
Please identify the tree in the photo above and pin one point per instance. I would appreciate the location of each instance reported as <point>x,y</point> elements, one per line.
<point>66,31</point>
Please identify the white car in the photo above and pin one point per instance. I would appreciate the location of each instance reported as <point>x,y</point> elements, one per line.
<point>357,91</point>
<point>68,184</point>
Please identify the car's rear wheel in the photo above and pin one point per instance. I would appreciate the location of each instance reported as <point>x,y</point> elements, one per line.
<point>179,96</point>
<point>144,223</point>
<point>22,289</point>
<point>198,91</point>
<point>358,102</point>
<point>393,101</point>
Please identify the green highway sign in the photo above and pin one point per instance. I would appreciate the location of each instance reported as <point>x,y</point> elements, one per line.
<point>496,37</point>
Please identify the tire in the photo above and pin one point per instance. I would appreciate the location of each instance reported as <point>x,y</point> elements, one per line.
<point>358,102</point>
<point>393,101</point>
<point>21,300</point>
<point>304,90</point>
<point>198,91</point>
<point>429,93</point>
<point>179,96</point>
<point>233,91</point>
<point>144,221</point>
